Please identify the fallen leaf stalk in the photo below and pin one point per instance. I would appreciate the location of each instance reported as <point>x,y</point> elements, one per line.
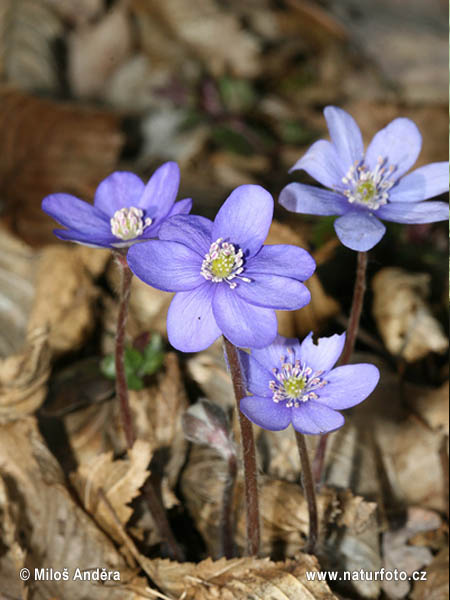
<point>309,489</point>
<point>352,331</point>
<point>248,452</point>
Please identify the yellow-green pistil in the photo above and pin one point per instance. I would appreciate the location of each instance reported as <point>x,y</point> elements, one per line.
<point>223,263</point>
<point>368,188</point>
<point>294,386</point>
<point>295,383</point>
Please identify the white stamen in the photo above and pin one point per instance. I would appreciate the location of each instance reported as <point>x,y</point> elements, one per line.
<point>295,383</point>
<point>224,263</point>
<point>127,223</point>
<point>368,188</point>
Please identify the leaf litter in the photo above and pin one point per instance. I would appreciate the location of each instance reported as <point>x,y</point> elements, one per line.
<point>232,92</point>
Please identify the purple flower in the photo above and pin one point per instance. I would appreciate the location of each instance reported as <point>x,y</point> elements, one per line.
<point>125,210</point>
<point>226,281</point>
<point>296,383</point>
<point>368,186</point>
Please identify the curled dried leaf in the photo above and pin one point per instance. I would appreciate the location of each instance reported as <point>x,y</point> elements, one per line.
<point>241,579</point>
<point>55,531</point>
<point>403,317</point>
<point>348,525</point>
<point>23,377</point>
<point>119,480</point>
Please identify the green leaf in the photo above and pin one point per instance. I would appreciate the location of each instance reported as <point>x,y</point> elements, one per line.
<point>231,140</point>
<point>134,382</point>
<point>133,359</point>
<point>153,356</point>
<point>294,132</point>
<point>108,367</point>
<point>237,94</point>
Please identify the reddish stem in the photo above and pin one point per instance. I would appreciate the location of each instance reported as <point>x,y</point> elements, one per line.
<point>121,380</point>
<point>357,305</point>
<point>352,332</point>
<point>248,452</point>
<point>151,489</point>
<point>309,489</point>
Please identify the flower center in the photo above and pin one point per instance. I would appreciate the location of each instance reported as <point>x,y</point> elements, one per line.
<point>127,223</point>
<point>223,263</point>
<point>368,188</point>
<point>295,383</point>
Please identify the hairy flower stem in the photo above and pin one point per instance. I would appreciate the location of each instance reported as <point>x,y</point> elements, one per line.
<point>121,381</point>
<point>248,452</point>
<point>151,494</point>
<point>352,331</point>
<point>355,312</point>
<point>227,525</point>
<point>309,489</point>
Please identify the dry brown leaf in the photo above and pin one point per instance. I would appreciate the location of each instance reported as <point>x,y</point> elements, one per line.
<point>12,558</point>
<point>348,525</point>
<point>28,32</point>
<point>79,13</point>
<point>436,585</point>
<point>93,430</point>
<point>241,579</point>
<point>23,377</point>
<point>204,29</point>
<point>120,480</point>
<point>17,266</point>
<point>431,405</point>
<point>64,297</point>
<point>96,50</point>
<point>48,147</point>
<point>383,447</point>
<point>55,531</point>
<point>403,317</point>
<point>398,554</point>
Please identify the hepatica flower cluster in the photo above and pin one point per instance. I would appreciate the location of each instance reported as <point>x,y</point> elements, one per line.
<point>367,187</point>
<point>296,383</point>
<point>226,281</point>
<point>125,210</point>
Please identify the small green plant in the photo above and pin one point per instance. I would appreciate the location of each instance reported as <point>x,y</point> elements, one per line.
<point>137,364</point>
